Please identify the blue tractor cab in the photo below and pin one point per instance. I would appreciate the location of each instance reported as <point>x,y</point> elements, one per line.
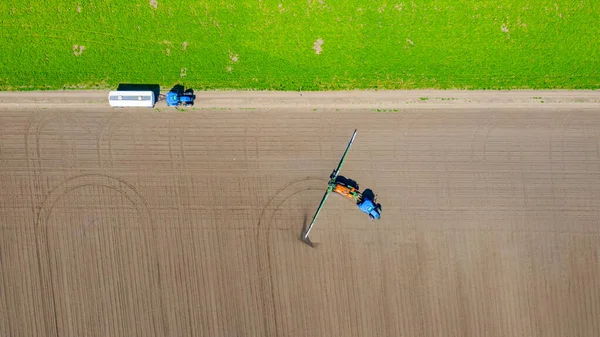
<point>369,207</point>
<point>175,99</point>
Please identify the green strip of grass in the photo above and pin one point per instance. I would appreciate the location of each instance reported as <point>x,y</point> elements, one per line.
<point>269,44</point>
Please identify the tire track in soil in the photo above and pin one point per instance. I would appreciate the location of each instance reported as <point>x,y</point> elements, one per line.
<point>267,287</point>
<point>486,159</point>
<point>60,191</point>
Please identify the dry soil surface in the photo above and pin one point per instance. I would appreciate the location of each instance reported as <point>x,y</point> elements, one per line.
<point>137,222</point>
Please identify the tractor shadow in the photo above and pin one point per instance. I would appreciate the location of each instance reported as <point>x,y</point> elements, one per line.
<point>180,90</point>
<point>369,194</point>
<point>155,88</point>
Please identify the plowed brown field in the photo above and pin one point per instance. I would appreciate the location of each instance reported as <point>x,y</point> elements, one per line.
<point>137,223</point>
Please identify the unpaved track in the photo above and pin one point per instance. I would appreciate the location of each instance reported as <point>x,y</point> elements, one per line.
<point>387,99</point>
<point>138,223</point>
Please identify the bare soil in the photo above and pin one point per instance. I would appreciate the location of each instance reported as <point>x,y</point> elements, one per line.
<point>318,46</point>
<point>127,222</point>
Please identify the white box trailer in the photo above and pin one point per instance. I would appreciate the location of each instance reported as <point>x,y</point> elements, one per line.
<point>123,99</point>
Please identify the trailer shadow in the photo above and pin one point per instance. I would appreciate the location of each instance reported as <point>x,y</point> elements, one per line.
<point>155,88</point>
<point>347,182</point>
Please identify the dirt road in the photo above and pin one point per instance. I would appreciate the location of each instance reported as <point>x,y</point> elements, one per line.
<point>390,100</point>
<point>165,223</point>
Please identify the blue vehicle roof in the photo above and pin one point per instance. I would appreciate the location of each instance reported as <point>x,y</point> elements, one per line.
<point>172,98</point>
<point>369,207</point>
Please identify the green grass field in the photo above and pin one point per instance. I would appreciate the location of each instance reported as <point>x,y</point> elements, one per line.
<point>300,44</point>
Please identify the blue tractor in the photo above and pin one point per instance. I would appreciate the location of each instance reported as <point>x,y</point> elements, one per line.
<point>175,98</point>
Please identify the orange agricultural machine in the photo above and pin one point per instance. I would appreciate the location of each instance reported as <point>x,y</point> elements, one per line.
<point>346,191</point>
